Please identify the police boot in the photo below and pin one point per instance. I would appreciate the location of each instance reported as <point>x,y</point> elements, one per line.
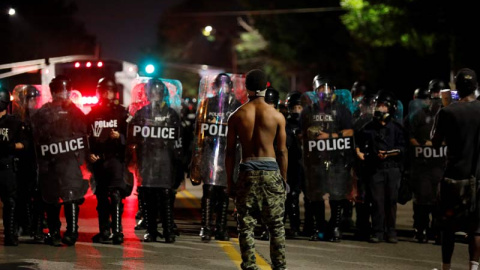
<point>319,215</point>
<point>150,215</point>
<point>293,214</point>
<point>362,224</point>
<point>71,216</point>
<point>172,203</point>
<point>53,220</point>
<point>37,231</point>
<point>347,221</point>
<point>207,213</point>
<point>421,220</point>
<point>116,211</point>
<point>103,222</point>
<point>335,221</point>
<point>140,215</point>
<point>167,216</point>
<point>309,222</point>
<point>221,232</point>
<point>11,238</point>
<point>38,219</point>
<point>25,218</point>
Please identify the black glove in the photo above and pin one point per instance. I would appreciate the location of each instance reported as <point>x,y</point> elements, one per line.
<point>7,147</point>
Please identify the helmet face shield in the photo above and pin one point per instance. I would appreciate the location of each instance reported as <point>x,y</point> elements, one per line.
<point>60,87</point>
<point>223,84</point>
<point>324,92</point>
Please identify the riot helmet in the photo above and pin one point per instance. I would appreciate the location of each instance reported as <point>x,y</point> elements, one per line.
<point>421,93</point>
<point>60,87</point>
<point>434,87</point>
<point>293,102</point>
<point>107,89</point>
<point>323,87</point>
<point>157,91</point>
<point>32,96</point>
<point>4,99</point>
<point>385,105</point>
<point>358,89</point>
<point>272,97</point>
<point>466,82</point>
<point>223,83</point>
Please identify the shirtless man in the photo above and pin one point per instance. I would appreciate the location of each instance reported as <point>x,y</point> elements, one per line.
<point>260,189</point>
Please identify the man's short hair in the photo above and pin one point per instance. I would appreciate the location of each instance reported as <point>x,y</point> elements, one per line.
<point>256,80</point>
<point>466,82</point>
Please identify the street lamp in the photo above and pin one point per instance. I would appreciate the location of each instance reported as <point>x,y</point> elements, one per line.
<point>11,11</point>
<point>207,31</point>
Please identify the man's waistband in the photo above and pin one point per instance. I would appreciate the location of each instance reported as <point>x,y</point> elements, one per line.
<point>259,164</point>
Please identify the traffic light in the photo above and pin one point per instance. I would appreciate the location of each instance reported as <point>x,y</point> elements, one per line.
<point>150,68</point>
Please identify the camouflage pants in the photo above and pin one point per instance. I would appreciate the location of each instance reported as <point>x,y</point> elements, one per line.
<point>261,193</point>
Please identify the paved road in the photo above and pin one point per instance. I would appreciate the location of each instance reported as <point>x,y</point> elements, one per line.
<point>190,253</point>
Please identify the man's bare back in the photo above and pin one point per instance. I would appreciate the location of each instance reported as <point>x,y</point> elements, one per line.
<point>256,124</point>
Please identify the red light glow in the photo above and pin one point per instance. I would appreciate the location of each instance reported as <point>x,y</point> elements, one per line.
<point>88,64</point>
<point>89,100</point>
<point>100,64</point>
<point>77,64</point>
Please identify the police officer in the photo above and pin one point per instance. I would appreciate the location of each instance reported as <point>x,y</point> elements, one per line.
<point>272,97</point>
<point>12,140</point>
<point>108,132</point>
<point>60,132</point>
<point>425,166</point>
<point>295,173</point>
<point>325,121</point>
<point>380,145</point>
<point>358,92</point>
<point>208,158</point>
<point>155,132</point>
<point>30,211</point>
<point>362,200</point>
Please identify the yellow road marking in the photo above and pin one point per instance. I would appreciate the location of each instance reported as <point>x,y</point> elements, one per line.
<point>188,202</point>
<point>227,246</point>
<point>261,263</point>
<point>194,200</point>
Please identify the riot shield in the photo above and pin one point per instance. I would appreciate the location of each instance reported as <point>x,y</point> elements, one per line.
<point>218,97</point>
<point>425,164</point>
<point>398,116</point>
<point>154,132</point>
<point>327,160</point>
<point>61,142</point>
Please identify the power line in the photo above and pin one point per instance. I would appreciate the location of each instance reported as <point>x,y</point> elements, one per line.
<point>258,12</point>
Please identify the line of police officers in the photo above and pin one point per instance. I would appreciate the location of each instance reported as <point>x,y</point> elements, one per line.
<point>324,139</point>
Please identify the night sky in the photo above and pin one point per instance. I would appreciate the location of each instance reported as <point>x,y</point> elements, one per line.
<point>123,27</point>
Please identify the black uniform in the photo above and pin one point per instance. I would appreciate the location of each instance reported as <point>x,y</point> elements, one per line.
<point>329,170</point>
<point>382,176</point>
<point>295,173</point>
<point>11,132</point>
<point>60,132</point>
<point>157,164</point>
<point>213,111</point>
<point>109,171</point>
<point>425,169</point>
